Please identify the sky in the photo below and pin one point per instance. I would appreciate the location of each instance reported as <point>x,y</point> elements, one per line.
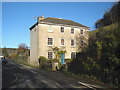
<point>18,17</point>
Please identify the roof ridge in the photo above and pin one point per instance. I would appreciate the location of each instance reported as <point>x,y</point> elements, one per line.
<point>66,20</point>
<point>59,18</point>
<point>61,21</point>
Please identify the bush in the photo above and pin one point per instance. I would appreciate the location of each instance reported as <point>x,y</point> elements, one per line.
<point>68,60</point>
<point>101,59</point>
<point>21,59</point>
<point>45,63</point>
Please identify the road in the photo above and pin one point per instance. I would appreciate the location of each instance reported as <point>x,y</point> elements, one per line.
<point>20,76</point>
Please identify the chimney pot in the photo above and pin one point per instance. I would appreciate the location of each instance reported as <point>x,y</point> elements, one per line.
<point>40,18</point>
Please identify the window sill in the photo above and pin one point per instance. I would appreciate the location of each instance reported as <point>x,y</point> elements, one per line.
<point>81,34</point>
<point>50,45</point>
<point>62,45</point>
<point>72,46</point>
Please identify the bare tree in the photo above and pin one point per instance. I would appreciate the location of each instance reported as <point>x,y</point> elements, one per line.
<point>22,48</point>
<point>82,41</point>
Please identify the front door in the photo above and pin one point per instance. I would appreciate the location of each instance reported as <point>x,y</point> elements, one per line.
<point>62,58</point>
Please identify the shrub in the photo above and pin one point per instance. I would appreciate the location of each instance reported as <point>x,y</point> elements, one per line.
<point>45,63</point>
<point>68,60</point>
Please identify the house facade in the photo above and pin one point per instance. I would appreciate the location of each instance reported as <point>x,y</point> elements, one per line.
<point>55,32</point>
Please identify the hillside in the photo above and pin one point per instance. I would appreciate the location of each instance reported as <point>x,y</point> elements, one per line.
<point>101,58</point>
<point>111,16</point>
<point>109,27</point>
<point>9,50</point>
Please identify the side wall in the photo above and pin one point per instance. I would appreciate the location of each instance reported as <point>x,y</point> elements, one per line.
<point>33,47</point>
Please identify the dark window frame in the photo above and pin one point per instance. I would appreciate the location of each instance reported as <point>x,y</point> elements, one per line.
<point>73,55</point>
<point>62,29</point>
<point>72,42</point>
<point>72,31</point>
<point>81,32</point>
<point>63,42</point>
<point>50,42</point>
<point>50,55</point>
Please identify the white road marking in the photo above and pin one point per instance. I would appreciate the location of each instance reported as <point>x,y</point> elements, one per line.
<point>58,84</point>
<point>87,85</point>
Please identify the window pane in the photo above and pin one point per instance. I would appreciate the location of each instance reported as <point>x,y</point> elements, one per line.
<point>50,29</point>
<point>62,29</point>
<point>81,31</point>
<point>50,41</point>
<point>72,42</point>
<point>72,31</point>
<point>62,41</point>
<point>50,55</point>
<point>73,55</point>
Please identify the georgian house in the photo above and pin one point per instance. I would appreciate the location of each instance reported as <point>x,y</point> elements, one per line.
<point>55,32</point>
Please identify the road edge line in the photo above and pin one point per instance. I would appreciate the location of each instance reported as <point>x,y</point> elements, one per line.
<point>87,85</point>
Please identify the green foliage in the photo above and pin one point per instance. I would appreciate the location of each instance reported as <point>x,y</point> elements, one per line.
<point>21,59</point>
<point>23,50</point>
<point>42,58</point>
<point>68,60</point>
<point>61,52</point>
<point>21,55</point>
<point>98,48</point>
<point>57,53</point>
<point>4,52</point>
<point>45,63</point>
<point>99,45</point>
<point>110,17</point>
<point>101,58</point>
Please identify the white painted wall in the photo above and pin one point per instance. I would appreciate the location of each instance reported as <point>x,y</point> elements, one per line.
<point>33,46</point>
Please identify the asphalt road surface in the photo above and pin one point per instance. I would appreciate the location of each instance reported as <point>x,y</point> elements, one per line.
<point>20,76</point>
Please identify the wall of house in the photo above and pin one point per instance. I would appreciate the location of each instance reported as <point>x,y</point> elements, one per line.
<point>39,41</point>
<point>34,46</point>
<point>43,47</point>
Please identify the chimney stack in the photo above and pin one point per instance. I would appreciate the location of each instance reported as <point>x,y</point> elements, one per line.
<point>40,18</point>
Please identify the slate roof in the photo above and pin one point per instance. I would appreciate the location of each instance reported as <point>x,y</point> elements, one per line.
<point>59,21</point>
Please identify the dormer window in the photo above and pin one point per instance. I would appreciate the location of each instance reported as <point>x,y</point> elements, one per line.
<point>62,29</point>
